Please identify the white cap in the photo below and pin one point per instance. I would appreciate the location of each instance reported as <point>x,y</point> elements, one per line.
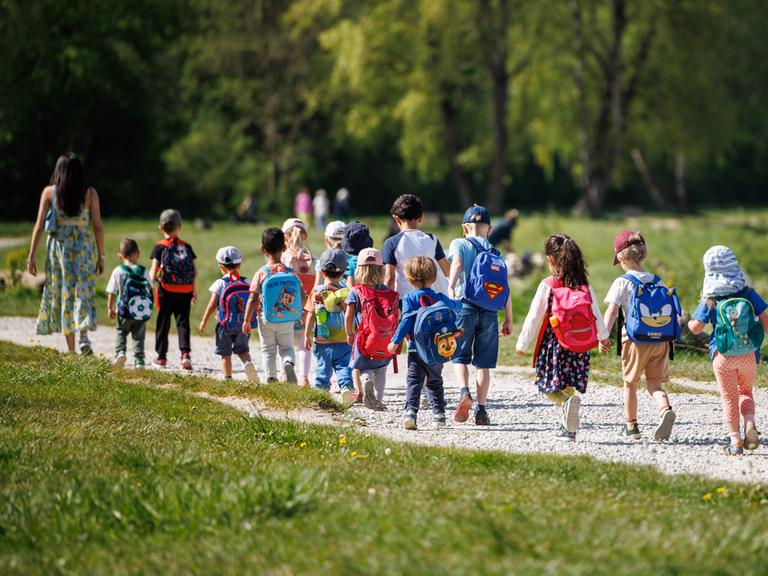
<point>228,255</point>
<point>335,229</point>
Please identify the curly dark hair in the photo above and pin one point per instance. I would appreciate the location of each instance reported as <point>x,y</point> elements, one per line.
<point>407,207</point>
<point>273,240</point>
<point>570,267</point>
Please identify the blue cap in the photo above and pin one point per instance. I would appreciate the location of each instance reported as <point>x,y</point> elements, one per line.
<point>333,261</point>
<point>476,215</point>
<point>356,237</point>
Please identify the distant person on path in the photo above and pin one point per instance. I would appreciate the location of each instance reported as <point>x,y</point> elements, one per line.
<point>173,265</point>
<point>502,232</point>
<point>734,346</point>
<point>341,208</point>
<point>68,209</point>
<point>247,210</point>
<point>302,205</point>
<point>321,206</point>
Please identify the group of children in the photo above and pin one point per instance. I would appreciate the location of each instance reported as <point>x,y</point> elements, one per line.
<point>354,306</point>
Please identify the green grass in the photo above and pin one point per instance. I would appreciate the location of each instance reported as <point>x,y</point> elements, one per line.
<point>101,476</point>
<point>676,246</point>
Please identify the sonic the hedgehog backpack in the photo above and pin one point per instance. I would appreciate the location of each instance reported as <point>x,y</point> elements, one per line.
<point>653,313</point>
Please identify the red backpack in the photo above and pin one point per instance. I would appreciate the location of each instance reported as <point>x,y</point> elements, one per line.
<point>570,315</point>
<point>378,321</point>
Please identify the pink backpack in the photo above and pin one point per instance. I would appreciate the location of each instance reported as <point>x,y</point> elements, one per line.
<point>571,318</point>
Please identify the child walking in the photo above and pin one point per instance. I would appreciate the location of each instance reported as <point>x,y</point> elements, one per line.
<point>334,233</point>
<point>173,266</point>
<point>560,372</point>
<point>739,319</point>
<point>229,295</point>
<point>129,299</point>
<point>325,323</point>
<point>483,291</point>
<point>298,257</point>
<point>369,286</point>
<point>420,272</point>
<point>356,237</point>
<point>638,358</point>
<point>275,333</point>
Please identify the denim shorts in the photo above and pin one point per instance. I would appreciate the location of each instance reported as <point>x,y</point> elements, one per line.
<point>479,345</point>
<point>226,344</point>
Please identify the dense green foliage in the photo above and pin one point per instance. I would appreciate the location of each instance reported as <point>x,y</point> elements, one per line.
<point>199,103</point>
<point>101,476</point>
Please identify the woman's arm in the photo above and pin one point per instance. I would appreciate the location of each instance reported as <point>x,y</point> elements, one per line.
<point>98,230</point>
<point>45,204</point>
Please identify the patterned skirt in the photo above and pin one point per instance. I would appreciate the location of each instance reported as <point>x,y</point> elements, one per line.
<point>558,368</point>
<point>68,303</point>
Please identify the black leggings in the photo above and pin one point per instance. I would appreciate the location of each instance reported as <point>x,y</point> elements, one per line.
<point>178,306</point>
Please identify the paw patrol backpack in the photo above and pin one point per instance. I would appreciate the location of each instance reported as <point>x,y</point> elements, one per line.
<point>281,296</point>
<point>435,333</point>
<point>652,313</point>
<point>232,303</point>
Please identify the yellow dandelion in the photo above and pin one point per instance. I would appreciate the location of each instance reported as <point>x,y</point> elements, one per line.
<point>303,445</point>
<point>720,489</point>
<point>353,454</point>
<point>342,439</point>
<point>707,496</point>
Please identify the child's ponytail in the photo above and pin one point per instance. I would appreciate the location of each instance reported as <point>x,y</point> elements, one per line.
<point>569,262</point>
<point>294,239</point>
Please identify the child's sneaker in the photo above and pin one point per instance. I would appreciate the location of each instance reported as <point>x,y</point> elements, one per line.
<point>272,380</point>
<point>346,397</point>
<point>380,406</point>
<point>439,419</point>
<point>86,348</point>
<point>751,437</point>
<point>409,420</point>
<point>563,434</point>
<point>119,361</point>
<point>571,408</point>
<point>631,431</point>
<point>186,361</point>
<point>424,400</point>
<point>139,363</point>
<point>369,394</point>
<point>462,410</point>
<point>251,373</point>
<point>664,429</point>
<point>482,418</point>
<point>357,398</point>
<point>290,373</point>
<point>161,362</point>
<point>734,450</point>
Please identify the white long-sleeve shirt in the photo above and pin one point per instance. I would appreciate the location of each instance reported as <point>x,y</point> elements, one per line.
<point>538,311</point>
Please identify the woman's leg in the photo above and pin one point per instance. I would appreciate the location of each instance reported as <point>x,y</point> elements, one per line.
<point>70,338</point>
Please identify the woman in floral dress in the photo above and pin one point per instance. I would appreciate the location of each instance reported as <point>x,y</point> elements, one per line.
<point>72,259</point>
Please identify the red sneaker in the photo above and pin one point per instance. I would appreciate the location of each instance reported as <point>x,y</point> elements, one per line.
<point>462,411</point>
<point>160,362</point>
<point>186,361</point>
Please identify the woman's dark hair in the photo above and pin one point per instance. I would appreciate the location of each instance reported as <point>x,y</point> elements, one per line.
<point>569,263</point>
<point>69,179</point>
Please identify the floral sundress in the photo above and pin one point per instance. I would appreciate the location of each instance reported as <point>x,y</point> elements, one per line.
<point>558,368</point>
<point>68,303</point>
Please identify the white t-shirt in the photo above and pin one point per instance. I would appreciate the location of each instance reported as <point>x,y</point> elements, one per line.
<point>398,249</point>
<point>118,276</point>
<point>621,288</point>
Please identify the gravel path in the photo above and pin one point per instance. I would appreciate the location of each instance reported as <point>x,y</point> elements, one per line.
<point>522,421</point>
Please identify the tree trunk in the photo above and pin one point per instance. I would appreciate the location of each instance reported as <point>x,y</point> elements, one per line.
<point>460,177</point>
<point>680,193</point>
<point>650,185</point>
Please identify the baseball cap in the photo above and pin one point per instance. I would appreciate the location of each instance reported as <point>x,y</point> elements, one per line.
<point>291,222</point>
<point>228,255</point>
<point>356,238</point>
<point>335,229</point>
<point>476,215</point>
<point>333,261</point>
<point>170,216</point>
<point>369,257</point>
<point>622,241</point>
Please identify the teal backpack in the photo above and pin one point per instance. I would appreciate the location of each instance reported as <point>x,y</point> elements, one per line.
<point>737,331</point>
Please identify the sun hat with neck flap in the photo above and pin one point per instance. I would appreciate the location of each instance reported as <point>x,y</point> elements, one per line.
<point>722,274</point>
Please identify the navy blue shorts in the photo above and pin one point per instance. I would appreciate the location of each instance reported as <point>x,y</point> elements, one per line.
<point>479,345</point>
<point>226,344</point>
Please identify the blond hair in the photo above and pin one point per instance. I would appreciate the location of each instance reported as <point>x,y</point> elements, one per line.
<point>333,243</point>
<point>369,274</point>
<point>294,239</point>
<point>636,252</point>
<point>420,272</point>
<point>477,229</point>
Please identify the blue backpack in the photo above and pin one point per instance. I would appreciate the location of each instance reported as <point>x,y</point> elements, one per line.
<point>652,312</point>
<point>232,303</point>
<point>487,286</point>
<point>435,333</point>
<point>281,297</point>
<point>136,296</point>
<point>737,330</point>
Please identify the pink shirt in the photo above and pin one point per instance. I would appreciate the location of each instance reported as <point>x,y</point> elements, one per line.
<point>302,204</point>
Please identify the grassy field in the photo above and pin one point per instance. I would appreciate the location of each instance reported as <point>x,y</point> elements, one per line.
<point>102,476</point>
<point>676,246</point>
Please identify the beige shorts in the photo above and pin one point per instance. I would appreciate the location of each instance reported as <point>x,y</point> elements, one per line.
<point>649,359</point>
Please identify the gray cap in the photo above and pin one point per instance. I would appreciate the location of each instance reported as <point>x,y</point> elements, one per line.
<point>228,255</point>
<point>333,261</point>
<point>170,216</point>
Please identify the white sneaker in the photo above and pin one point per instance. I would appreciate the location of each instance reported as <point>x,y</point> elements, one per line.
<point>251,373</point>
<point>571,414</point>
<point>664,429</point>
<point>347,397</point>
<point>119,361</point>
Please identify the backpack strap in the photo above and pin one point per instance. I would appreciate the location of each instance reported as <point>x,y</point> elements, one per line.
<point>479,247</point>
<point>636,281</point>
